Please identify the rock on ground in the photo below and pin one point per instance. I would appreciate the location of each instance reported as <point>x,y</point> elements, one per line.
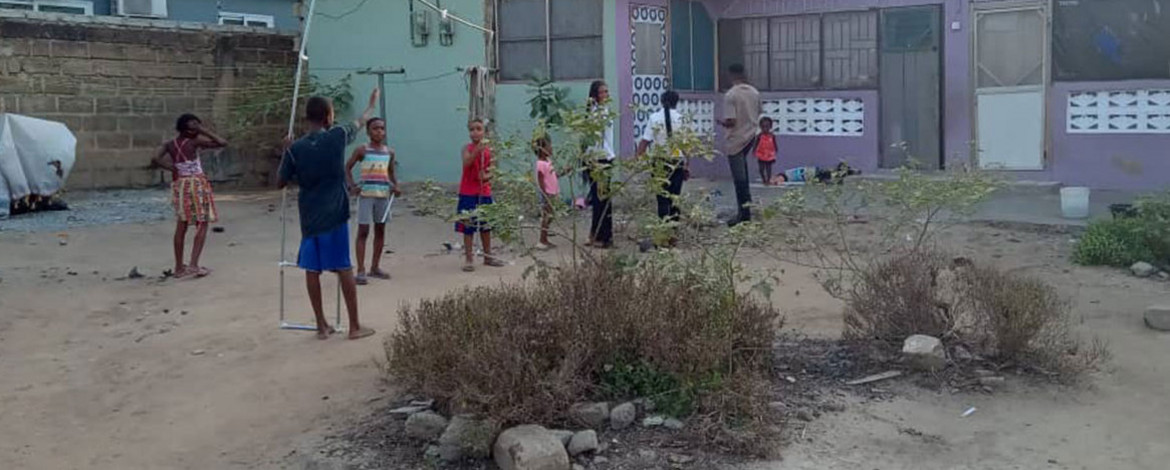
<point>564,435</point>
<point>407,410</point>
<point>1143,269</point>
<point>672,423</point>
<point>925,352</point>
<point>467,437</point>
<point>1158,317</point>
<point>653,421</point>
<point>591,415</point>
<point>622,416</point>
<point>530,447</point>
<point>582,442</point>
<point>427,425</point>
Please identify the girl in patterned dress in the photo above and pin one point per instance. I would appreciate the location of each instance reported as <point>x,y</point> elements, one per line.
<point>191,194</point>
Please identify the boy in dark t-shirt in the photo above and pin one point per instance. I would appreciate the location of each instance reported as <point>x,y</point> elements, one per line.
<point>316,163</point>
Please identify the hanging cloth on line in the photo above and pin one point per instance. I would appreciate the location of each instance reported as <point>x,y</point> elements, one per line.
<point>481,89</point>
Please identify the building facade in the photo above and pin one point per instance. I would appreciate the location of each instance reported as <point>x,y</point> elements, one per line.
<point>1071,91</point>
<point>276,14</point>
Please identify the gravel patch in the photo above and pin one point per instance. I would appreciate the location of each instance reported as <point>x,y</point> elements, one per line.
<point>96,208</point>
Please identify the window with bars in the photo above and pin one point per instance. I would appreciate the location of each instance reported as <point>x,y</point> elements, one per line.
<point>552,38</point>
<point>804,52</point>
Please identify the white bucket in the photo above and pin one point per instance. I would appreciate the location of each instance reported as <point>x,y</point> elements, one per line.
<point>1074,202</point>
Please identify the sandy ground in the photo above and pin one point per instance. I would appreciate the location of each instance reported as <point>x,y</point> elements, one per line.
<point>145,374</point>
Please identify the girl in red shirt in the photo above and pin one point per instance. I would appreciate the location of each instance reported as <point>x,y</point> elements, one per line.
<point>766,149</point>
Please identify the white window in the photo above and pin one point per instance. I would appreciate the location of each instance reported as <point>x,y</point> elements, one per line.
<point>247,19</point>
<point>76,7</point>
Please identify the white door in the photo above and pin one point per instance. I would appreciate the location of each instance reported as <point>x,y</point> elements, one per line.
<point>1010,75</point>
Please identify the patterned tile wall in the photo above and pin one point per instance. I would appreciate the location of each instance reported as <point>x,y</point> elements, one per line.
<point>842,117</point>
<point>1119,112</point>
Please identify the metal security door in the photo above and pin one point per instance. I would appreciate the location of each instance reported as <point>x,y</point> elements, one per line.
<point>911,79</point>
<point>1011,64</point>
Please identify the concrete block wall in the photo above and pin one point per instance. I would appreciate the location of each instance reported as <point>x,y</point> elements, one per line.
<point>120,87</point>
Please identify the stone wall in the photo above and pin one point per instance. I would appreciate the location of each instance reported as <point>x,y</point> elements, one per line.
<point>119,84</point>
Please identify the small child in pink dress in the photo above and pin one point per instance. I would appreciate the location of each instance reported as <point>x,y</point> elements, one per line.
<point>546,179</point>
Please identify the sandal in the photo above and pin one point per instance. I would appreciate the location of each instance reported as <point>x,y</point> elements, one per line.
<point>362,333</point>
<point>379,274</point>
<point>200,271</point>
<point>361,280</point>
<point>469,268</point>
<point>493,262</point>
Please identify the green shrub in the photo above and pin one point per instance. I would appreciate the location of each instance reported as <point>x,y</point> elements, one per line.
<point>1117,242</point>
<point>1123,241</point>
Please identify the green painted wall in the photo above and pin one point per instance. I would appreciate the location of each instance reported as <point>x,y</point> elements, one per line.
<point>427,106</point>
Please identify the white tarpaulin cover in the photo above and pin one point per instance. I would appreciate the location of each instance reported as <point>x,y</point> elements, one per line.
<point>36,157</point>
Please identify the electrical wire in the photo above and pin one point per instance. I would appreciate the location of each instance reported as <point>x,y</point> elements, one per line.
<point>446,14</point>
<point>343,15</point>
<point>424,79</point>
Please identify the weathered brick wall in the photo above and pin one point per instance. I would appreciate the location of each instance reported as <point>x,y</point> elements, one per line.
<point>120,84</point>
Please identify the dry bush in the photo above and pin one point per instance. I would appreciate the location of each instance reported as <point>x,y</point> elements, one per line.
<point>1007,318</point>
<point>524,352</point>
<point>1026,322</point>
<point>896,298</point>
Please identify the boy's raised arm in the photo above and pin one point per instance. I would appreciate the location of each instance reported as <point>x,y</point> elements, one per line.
<point>213,141</point>
<point>369,111</point>
<point>469,152</point>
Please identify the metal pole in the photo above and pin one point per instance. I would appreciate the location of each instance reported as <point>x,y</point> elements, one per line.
<point>382,86</point>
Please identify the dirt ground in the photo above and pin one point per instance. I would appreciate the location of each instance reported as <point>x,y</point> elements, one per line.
<point>102,373</point>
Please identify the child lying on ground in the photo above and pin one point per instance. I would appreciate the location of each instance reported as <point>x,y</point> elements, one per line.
<point>802,174</point>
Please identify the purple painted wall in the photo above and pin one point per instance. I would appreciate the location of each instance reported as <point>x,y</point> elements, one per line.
<point>859,151</point>
<point>1106,161</point>
<point>863,152</point>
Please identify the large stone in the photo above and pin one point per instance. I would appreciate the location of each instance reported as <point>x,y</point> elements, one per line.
<point>673,424</point>
<point>1158,317</point>
<point>622,416</point>
<point>426,425</point>
<point>467,438</point>
<point>564,435</point>
<point>1143,269</point>
<point>925,352</point>
<point>582,442</point>
<point>530,447</point>
<point>590,415</point>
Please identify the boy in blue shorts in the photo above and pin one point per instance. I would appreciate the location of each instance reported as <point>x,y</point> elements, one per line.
<point>475,190</point>
<point>316,163</point>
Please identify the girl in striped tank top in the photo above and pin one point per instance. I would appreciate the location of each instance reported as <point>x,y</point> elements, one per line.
<point>377,182</point>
